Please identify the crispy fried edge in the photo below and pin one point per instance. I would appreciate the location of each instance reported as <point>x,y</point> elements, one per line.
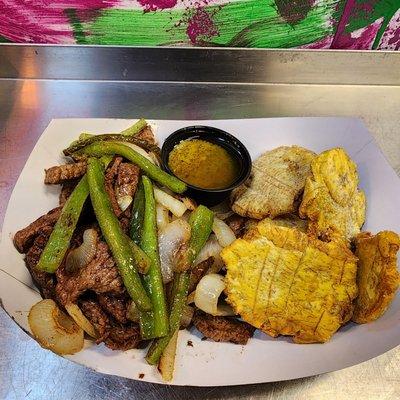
<point>388,246</point>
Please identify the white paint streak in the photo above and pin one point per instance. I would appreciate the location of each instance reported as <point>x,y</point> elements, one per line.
<point>392,29</point>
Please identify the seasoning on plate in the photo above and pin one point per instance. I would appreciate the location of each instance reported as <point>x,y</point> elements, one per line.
<point>203,164</point>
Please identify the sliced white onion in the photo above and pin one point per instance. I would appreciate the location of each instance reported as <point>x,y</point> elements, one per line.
<point>76,314</point>
<point>212,248</point>
<point>82,255</point>
<point>185,216</point>
<point>207,294</point>
<point>124,201</point>
<point>174,205</point>
<point>53,329</point>
<point>155,159</point>
<point>162,216</point>
<point>138,149</point>
<point>187,316</point>
<point>172,242</point>
<point>167,359</point>
<point>223,232</point>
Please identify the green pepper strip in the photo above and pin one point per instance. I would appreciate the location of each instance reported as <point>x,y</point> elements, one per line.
<point>60,237</point>
<point>135,128</point>
<point>83,136</point>
<point>131,131</point>
<point>153,324</point>
<point>201,222</point>
<point>99,149</point>
<point>142,261</point>
<point>109,137</point>
<point>114,236</point>
<point>137,212</point>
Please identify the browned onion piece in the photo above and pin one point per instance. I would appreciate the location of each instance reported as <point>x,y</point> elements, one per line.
<point>53,329</point>
<point>82,255</point>
<point>171,243</point>
<point>76,314</point>
<point>124,201</point>
<point>207,293</point>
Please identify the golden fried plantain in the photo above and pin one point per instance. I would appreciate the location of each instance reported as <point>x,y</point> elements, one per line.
<point>377,275</point>
<point>286,283</point>
<point>288,220</point>
<point>331,199</point>
<point>276,183</point>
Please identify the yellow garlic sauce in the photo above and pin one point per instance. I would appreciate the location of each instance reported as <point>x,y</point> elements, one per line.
<point>203,164</point>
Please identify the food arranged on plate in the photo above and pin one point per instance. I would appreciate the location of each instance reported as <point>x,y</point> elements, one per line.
<point>286,282</point>
<point>148,241</point>
<point>278,179</point>
<point>332,201</point>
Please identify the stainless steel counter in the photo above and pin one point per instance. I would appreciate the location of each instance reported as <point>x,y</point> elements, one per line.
<point>38,83</point>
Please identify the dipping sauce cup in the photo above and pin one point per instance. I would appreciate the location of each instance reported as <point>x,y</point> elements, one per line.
<point>228,147</point>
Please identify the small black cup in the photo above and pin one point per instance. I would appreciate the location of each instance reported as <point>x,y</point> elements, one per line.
<point>210,197</point>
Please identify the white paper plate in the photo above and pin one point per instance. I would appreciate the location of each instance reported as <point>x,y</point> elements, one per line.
<point>208,363</point>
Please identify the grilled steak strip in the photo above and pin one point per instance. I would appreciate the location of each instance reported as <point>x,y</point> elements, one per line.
<point>123,337</point>
<point>115,306</point>
<point>121,179</point>
<point>198,271</point>
<point>147,135</point>
<point>100,275</point>
<point>115,336</point>
<point>66,190</point>
<point>222,329</point>
<point>24,238</point>
<point>95,314</point>
<point>237,223</point>
<point>109,180</point>
<point>63,173</point>
<point>43,280</point>
<point>125,222</point>
<point>127,179</point>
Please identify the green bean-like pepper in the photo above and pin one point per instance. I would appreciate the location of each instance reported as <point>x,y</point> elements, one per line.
<point>84,135</point>
<point>137,215</point>
<point>142,260</point>
<point>135,128</point>
<point>99,149</point>
<point>60,237</point>
<point>131,131</point>
<point>153,324</point>
<point>106,160</point>
<point>114,236</point>
<point>201,222</point>
<point>109,137</point>
<point>179,293</point>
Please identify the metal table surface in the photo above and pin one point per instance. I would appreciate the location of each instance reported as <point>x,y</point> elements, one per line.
<point>38,83</point>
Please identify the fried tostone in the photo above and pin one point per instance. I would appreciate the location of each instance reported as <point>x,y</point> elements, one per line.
<point>286,283</point>
<point>331,199</point>
<point>377,275</point>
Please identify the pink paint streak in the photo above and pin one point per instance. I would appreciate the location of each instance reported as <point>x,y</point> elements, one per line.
<point>344,20</point>
<point>201,26</point>
<point>361,39</point>
<point>391,38</point>
<point>154,5</point>
<point>324,43</point>
<point>43,21</point>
